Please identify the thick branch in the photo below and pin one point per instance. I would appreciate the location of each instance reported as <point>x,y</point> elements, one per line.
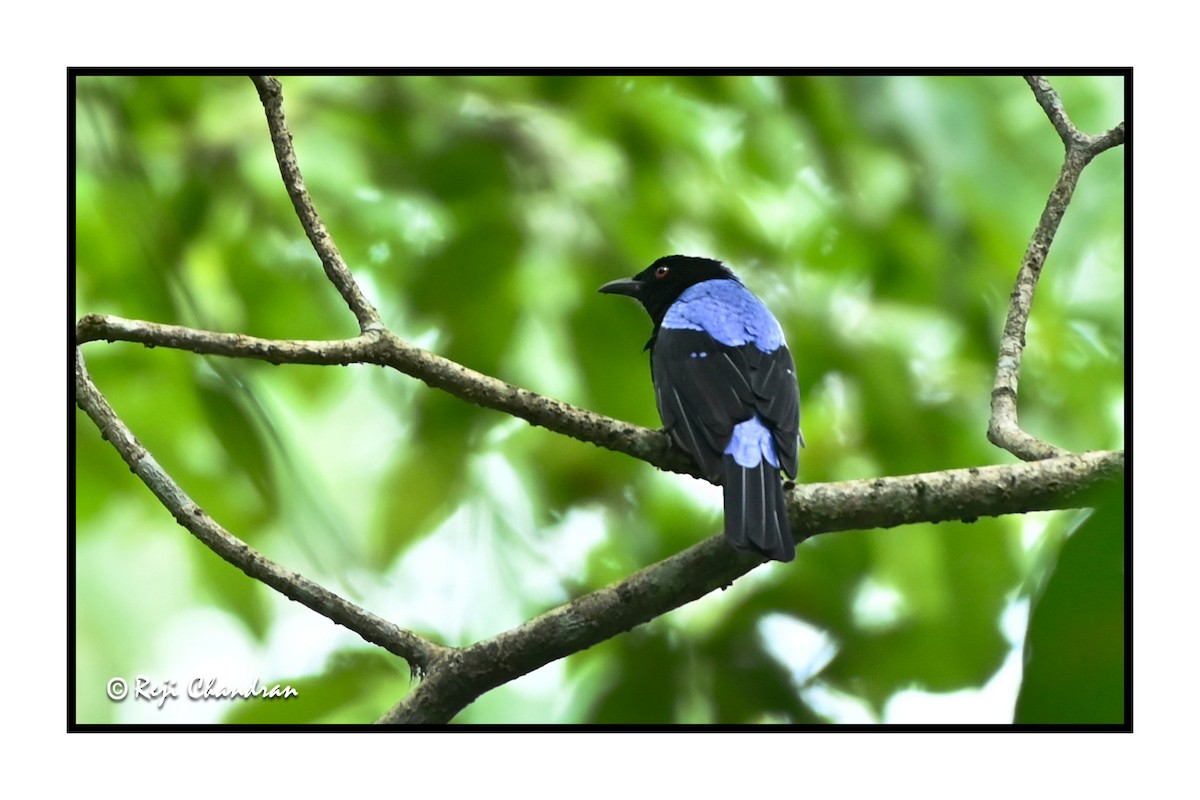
<point>1003,428</point>
<point>965,494</point>
<point>271,94</point>
<point>420,653</point>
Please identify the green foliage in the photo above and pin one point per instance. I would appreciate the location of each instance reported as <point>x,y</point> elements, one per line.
<point>1075,650</point>
<point>882,219</point>
<point>351,686</point>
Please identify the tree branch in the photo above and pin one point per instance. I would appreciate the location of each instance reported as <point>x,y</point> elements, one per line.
<point>816,508</point>
<point>1003,428</point>
<point>420,653</point>
<point>270,92</point>
<point>384,348</point>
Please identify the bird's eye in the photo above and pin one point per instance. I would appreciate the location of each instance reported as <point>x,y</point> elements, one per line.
<point>661,272</point>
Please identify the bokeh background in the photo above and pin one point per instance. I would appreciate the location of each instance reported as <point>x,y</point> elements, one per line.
<point>882,219</point>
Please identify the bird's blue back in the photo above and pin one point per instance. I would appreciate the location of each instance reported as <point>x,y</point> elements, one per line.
<point>726,311</point>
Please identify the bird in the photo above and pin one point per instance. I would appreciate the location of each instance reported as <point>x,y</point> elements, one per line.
<point>726,390</point>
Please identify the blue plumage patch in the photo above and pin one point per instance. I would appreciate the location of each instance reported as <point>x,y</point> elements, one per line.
<point>751,443</point>
<point>726,311</point>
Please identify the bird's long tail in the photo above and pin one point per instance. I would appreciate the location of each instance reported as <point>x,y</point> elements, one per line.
<point>755,511</point>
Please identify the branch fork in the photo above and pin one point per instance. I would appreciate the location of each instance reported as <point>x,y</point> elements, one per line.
<point>1003,429</point>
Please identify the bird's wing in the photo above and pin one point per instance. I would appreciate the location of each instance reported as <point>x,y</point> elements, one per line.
<point>703,389</point>
<point>777,400</point>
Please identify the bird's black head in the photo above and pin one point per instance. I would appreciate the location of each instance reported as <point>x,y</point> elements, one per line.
<point>661,283</point>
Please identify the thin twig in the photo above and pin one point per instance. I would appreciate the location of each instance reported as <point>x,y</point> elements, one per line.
<point>1003,428</point>
<point>271,94</point>
<point>420,653</point>
<point>1071,136</point>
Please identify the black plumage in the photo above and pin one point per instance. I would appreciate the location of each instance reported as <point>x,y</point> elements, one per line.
<point>726,390</point>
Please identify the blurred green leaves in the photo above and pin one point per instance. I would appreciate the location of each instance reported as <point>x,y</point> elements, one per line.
<point>1075,650</point>
<point>882,219</point>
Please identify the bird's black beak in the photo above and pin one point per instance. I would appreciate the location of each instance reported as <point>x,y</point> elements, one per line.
<point>627,286</point>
